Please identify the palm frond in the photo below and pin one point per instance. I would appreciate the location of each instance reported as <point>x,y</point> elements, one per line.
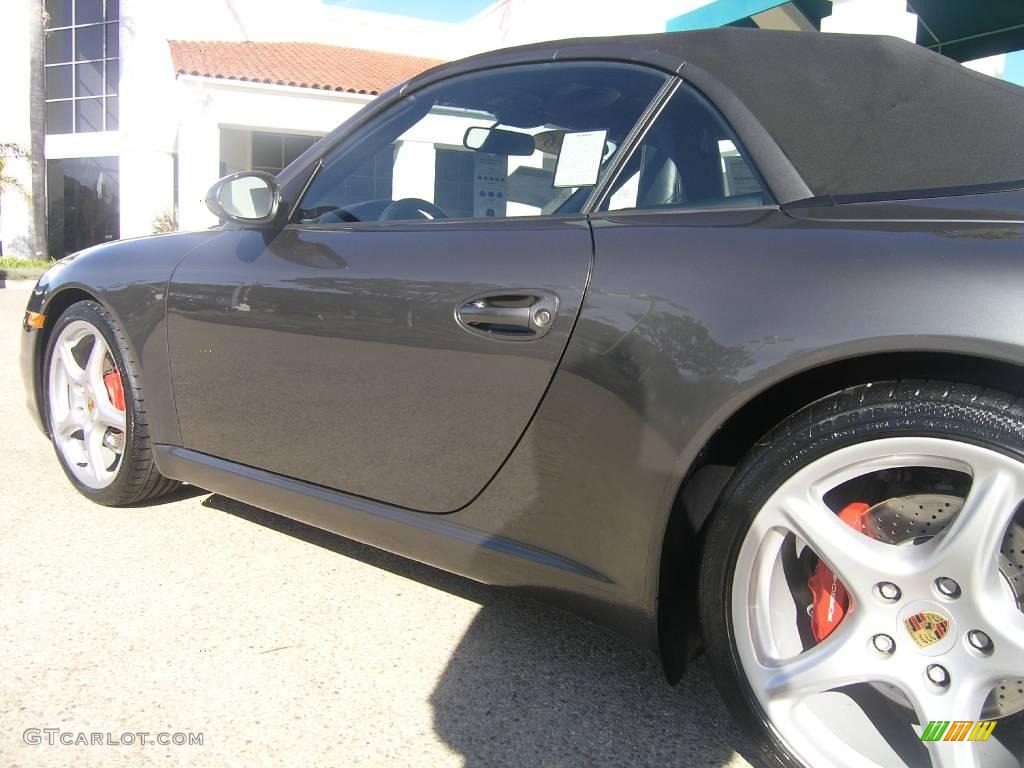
<point>11,184</point>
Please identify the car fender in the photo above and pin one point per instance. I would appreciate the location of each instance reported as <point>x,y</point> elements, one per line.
<point>129,278</point>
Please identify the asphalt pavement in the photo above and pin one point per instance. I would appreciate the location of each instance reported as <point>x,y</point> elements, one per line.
<point>277,644</point>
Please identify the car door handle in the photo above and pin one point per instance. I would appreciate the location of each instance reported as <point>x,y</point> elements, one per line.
<point>522,316</point>
<point>481,313</point>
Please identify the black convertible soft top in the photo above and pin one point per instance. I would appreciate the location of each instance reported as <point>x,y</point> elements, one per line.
<point>854,114</point>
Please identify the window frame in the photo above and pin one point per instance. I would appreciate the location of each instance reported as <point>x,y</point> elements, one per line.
<point>634,146</point>
<point>280,141</point>
<point>109,96</point>
<point>359,131</point>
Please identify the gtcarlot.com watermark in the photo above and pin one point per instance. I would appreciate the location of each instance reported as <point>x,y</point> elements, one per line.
<point>56,736</point>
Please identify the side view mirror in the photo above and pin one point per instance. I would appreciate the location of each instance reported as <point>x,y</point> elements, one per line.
<point>247,197</point>
<point>498,141</point>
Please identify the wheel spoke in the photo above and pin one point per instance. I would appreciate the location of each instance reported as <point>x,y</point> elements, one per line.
<point>65,423</point>
<point>71,367</point>
<point>953,754</point>
<point>841,659</point>
<point>94,367</point>
<point>963,702</point>
<point>94,452</point>
<point>107,415</point>
<point>969,548</point>
<point>857,560</point>
<point>59,401</point>
<point>1007,634</point>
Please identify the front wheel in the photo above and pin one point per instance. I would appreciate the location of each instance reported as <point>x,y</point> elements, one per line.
<point>871,550</point>
<point>95,410</point>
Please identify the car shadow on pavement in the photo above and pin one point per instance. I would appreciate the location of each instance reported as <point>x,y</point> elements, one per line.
<point>181,493</point>
<point>529,685</point>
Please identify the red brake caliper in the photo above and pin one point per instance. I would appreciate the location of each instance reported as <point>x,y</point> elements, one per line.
<point>830,599</point>
<point>115,389</point>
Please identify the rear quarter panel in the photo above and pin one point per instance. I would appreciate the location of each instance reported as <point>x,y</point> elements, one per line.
<point>689,316</point>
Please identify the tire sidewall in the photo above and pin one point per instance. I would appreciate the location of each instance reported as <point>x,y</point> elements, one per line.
<point>759,475</point>
<point>95,315</point>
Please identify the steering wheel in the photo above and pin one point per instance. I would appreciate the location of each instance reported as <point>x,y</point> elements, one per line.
<point>336,216</point>
<point>411,208</point>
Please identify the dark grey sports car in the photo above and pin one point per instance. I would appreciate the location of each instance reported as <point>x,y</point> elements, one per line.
<point>715,338</point>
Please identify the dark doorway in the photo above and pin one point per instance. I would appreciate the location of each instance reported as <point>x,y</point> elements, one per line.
<point>83,203</point>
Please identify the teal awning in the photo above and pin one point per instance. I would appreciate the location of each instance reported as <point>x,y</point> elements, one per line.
<point>968,29</point>
<point>720,13</point>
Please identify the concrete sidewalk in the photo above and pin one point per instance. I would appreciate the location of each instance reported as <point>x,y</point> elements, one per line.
<point>284,645</point>
<point>18,284</point>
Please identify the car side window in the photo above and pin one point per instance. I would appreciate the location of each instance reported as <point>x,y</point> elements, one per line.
<point>523,140</point>
<point>688,159</point>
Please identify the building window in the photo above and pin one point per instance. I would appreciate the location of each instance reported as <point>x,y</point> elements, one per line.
<point>242,150</point>
<point>272,152</point>
<point>82,66</point>
<point>83,206</point>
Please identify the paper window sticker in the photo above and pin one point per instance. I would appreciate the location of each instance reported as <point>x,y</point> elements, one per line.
<point>579,162</point>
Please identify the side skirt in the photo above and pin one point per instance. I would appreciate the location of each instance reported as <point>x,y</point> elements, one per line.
<point>429,538</point>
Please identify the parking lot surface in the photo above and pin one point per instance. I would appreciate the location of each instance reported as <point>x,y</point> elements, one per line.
<point>284,645</point>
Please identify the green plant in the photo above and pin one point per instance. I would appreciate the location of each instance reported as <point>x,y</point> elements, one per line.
<point>10,262</point>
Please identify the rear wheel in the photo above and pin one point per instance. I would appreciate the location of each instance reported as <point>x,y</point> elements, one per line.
<point>871,550</point>
<point>95,409</point>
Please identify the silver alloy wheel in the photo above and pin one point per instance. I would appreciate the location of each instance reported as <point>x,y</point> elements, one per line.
<point>87,428</point>
<point>804,691</point>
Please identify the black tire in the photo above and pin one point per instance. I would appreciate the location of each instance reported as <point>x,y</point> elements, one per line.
<point>860,414</point>
<point>137,479</point>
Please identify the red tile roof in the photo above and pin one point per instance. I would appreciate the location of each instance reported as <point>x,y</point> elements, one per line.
<point>308,65</point>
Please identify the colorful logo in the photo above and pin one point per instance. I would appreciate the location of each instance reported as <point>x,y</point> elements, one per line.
<point>927,627</point>
<point>958,730</point>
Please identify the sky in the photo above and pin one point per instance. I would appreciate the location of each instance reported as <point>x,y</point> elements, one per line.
<point>1015,67</point>
<point>447,10</point>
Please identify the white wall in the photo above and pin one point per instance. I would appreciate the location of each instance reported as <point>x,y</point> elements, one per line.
<point>149,117</point>
<point>872,17</point>
<point>15,210</point>
<point>235,149</point>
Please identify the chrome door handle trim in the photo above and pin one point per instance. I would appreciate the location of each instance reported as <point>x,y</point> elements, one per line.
<point>520,315</point>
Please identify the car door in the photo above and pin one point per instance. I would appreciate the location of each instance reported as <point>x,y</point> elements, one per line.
<point>380,344</point>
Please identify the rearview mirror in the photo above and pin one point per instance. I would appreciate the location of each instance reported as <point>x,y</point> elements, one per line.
<point>248,197</point>
<point>498,141</point>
